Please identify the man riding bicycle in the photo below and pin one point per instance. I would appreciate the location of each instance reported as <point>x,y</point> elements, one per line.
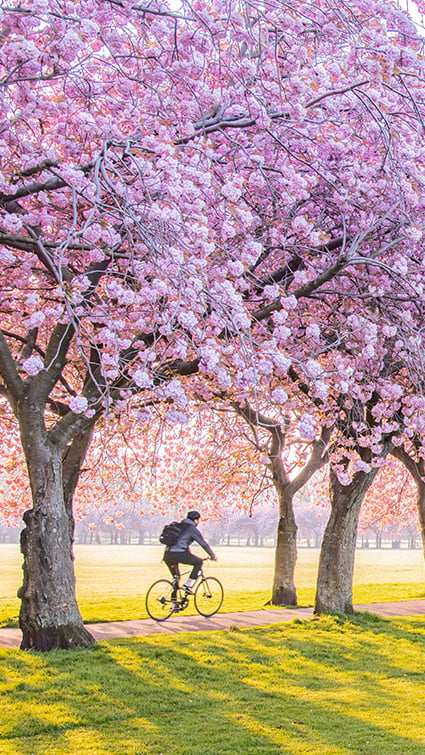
<point>180,553</point>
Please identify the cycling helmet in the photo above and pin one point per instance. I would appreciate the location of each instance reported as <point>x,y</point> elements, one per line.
<point>193,515</point>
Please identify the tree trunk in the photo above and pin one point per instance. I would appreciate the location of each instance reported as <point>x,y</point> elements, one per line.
<point>49,617</point>
<point>284,592</point>
<point>334,592</point>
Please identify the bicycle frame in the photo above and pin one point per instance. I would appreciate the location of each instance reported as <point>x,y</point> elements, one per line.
<point>200,576</point>
<point>165,597</point>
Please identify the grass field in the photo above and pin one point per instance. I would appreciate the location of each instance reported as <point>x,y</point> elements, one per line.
<point>112,580</point>
<point>332,686</point>
<point>329,686</point>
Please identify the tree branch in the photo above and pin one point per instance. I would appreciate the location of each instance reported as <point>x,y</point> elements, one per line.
<point>14,384</point>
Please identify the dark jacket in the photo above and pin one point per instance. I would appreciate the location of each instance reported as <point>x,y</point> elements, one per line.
<point>190,533</point>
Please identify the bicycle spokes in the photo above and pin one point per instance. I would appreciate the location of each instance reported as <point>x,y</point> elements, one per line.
<point>208,596</point>
<point>159,602</point>
<point>165,598</point>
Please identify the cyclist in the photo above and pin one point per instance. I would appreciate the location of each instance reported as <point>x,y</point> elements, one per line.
<point>180,553</point>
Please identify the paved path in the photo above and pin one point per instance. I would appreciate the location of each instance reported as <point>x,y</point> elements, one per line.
<point>11,638</point>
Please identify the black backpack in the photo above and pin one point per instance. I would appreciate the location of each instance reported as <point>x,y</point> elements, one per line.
<point>171,533</point>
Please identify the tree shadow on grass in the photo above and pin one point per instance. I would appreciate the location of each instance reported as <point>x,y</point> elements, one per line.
<point>286,689</point>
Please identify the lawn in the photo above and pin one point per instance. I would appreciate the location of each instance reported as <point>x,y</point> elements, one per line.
<point>330,686</point>
<point>112,580</point>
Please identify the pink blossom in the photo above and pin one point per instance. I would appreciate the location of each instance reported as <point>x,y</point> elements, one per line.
<point>232,189</point>
<point>178,417</point>
<point>265,366</point>
<point>361,466</point>
<point>279,396</point>
<point>12,223</point>
<point>143,416</point>
<point>36,319</point>
<point>282,363</point>
<point>78,404</point>
<point>93,233</point>
<point>142,379</point>
<point>32,365</point>
<point>302,225</point>
<point>391,391</point>
<point>306,427</point>
<point>175,390</point>
<point>313,369</point>
<point>223,379</point>
<point>7,256</point>
<point>321,389</point>
<point>282,333</point>
<point>343,477</point>
<point>271,292</point>
<point>70,45</point>
<point>32,300</point>
<point>313,331</point>
<point>289,302</point>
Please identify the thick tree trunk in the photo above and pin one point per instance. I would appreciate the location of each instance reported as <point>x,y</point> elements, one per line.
<point>49,616</point>
<point>334,592</point>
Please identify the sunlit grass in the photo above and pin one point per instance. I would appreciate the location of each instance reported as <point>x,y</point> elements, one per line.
<point>112,580</point>
<point>327,686</point>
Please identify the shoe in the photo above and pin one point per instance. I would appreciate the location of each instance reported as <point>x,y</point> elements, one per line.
<point>188,590</point>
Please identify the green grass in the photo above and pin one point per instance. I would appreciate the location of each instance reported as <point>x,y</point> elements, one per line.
<point>331,686</point>
<point>112,580</point>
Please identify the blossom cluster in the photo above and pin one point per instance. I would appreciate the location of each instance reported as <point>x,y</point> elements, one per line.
<point>183,205</point>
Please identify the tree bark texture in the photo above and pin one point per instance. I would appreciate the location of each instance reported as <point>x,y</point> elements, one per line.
<point>49,617</point>
<point>334,593</point>
<point>284,592</point>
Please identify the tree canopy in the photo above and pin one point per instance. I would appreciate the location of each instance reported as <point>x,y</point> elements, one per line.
<point>224,199</point>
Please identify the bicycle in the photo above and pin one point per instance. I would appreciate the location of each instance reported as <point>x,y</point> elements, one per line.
<point>166,597</point>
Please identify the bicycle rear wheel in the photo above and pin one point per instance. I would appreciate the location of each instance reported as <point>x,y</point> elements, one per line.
<point>208,596</point>
<point>158,600</point>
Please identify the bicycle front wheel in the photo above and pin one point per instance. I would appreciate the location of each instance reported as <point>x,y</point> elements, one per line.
<point>208,596</point>
<point>158,600</point>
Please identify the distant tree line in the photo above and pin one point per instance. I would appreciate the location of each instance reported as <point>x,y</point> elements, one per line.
<point>231,527</point>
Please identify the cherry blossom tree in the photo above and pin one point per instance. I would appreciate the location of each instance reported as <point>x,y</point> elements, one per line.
<point>291,462</point>
<point>193,201</point>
